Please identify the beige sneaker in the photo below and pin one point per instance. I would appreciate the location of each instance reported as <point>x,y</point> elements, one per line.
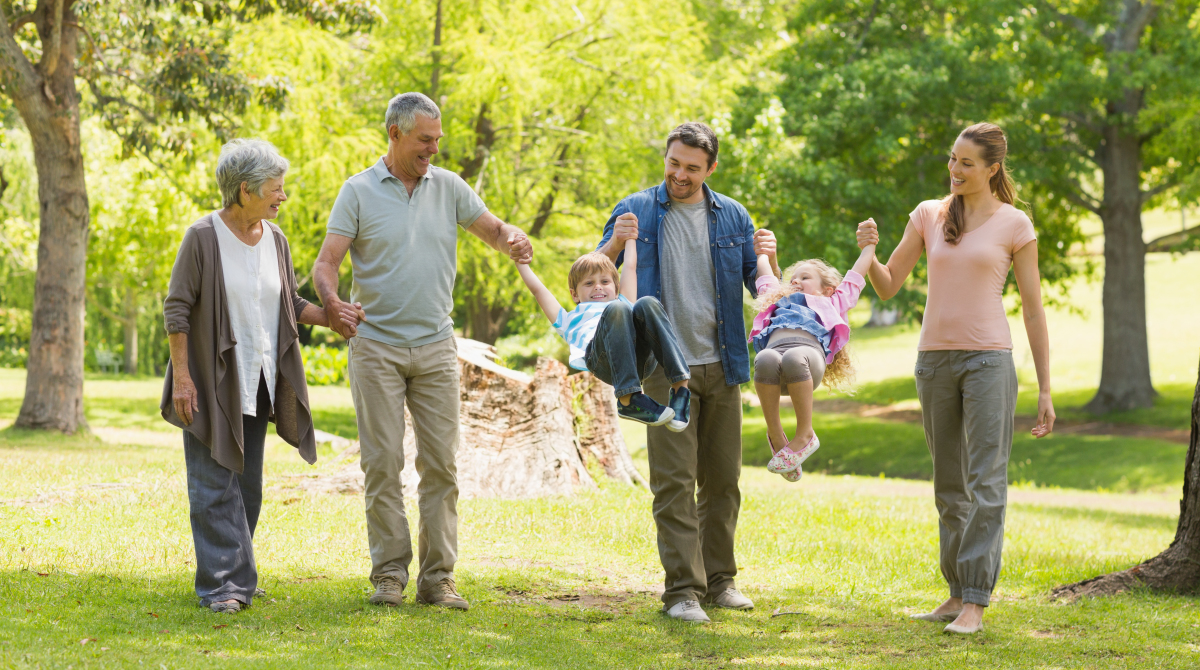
<point>733,599</point>
<point>388,591</point>
<point>443,594</point>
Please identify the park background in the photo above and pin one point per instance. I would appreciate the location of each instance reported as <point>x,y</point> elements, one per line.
<point>827,112</point>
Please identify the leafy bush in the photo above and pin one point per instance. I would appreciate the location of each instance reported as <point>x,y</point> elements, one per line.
<point>325,366</point>
<point>12,355</point>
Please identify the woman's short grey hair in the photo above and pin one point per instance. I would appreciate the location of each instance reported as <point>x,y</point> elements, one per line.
<point>403,109</point>
<point>253,162</point>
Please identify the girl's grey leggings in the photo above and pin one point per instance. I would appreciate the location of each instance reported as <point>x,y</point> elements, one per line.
<point>790,360</point>
<point>968,399</point>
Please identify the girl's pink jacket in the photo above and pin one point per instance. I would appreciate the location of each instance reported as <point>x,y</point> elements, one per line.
<point>830,311</point>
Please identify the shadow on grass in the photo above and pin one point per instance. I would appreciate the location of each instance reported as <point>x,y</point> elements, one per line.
<point>864,446</point>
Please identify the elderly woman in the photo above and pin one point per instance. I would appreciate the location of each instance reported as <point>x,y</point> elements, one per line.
<point>231,314</point>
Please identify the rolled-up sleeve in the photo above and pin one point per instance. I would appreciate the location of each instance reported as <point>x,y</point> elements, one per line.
<point>184,288</point>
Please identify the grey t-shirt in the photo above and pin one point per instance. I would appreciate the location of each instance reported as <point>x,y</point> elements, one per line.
<point>689,293</point>
<point>404,251</point>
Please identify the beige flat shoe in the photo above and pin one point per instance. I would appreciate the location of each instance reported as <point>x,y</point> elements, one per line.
<point>963,630</point>
<point>945,617</point>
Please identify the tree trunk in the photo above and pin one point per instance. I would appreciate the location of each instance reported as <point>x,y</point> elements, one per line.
<point>1125,366</point>
<point>519,435</point>
<point>130,324</point>
<point>50,109</point>
<point>1178,568</point>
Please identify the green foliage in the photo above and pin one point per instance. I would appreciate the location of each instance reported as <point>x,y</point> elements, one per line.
<point>871,98</point>
<point>325,366</point>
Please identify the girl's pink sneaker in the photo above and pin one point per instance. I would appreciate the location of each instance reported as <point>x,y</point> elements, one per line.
<point>794,475</point>
<point>784,460</point>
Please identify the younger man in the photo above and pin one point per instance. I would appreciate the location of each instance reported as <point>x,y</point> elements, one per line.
<point>618,339</point>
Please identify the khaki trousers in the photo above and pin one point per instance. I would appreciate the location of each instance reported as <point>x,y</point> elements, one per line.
<point>694,478</point>
<point>968,400</point>
<point>383,379</point>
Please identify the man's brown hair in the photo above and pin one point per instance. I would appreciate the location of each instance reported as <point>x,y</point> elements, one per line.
<point>588,265</point>
<point>697,135</point>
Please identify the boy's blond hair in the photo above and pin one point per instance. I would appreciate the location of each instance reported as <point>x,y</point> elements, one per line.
<point>588,265</point>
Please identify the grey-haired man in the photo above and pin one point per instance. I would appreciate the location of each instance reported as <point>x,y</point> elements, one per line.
<point>399,220</point>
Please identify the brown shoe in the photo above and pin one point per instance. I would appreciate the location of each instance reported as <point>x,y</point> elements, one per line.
<point>443,594</point>
<point>388,591</point>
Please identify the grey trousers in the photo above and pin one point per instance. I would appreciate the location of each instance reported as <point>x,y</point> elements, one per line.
<point>383,379</point>
<point>694,478</point>
<point>968,401</point>
<point>224,510</point>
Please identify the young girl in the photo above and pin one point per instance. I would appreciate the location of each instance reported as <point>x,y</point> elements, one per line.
<point>800,335</point>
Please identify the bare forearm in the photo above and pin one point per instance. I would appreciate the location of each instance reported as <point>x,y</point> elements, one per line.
<point>612,249</point>
<point>313,316</point>
<point>764,266</point>
<point>629,272</point>
<point>325,281</point>
<point>179,354</point>
<point>544,297</point>
<point>881,279</point>
<point>865,260</point>
<point>1039,343</point>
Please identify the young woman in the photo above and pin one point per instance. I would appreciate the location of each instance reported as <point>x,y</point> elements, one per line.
<point>965,377</point>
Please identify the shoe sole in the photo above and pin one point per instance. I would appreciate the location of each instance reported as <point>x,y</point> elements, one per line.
<point>677,426</point>
<point>730,607</point>
<point>386,600</point>
<point>449,604</point>
<point>663,418</point>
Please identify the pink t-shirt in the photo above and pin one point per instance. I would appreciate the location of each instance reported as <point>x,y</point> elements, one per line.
<point>965,308</point>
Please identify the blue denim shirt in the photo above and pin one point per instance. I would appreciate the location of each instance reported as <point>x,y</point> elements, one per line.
<point>731,238</point>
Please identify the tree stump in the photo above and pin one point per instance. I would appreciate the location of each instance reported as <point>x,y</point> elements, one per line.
<point>520,436</point>
<point>1177,569</point>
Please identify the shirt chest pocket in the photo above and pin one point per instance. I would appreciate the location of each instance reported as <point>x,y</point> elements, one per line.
<point>729,253</point>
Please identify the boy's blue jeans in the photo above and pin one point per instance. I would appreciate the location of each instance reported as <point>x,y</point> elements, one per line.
<point>630,341</point>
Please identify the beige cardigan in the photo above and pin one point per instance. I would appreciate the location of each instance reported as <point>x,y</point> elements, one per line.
<point>196,306</point>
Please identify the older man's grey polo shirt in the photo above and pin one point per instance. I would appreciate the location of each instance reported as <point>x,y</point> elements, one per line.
<point>404,251</point>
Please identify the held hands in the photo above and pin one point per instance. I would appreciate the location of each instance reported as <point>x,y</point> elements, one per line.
<point>764,243</point>
<point>1045,420</point>
<point>625,228</point>
<point>344,317</point>
<point>520,249</point>
<point>183,395</point>
<point>868,233</point>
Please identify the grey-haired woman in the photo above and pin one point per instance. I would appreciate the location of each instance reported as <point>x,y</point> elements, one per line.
<point>231,314</point>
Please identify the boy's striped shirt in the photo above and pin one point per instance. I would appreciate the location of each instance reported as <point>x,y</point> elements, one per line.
<point>578,327</point>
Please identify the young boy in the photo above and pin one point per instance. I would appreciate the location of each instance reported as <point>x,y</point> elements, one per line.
<point>617,336</point>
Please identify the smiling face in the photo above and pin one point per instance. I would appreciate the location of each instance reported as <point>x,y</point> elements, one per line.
<point>596,287</point>
<point>686,169</point>
<point>267,205</point>
<point>411,153</point>
<point>969,172</point>
<point>807,280</point>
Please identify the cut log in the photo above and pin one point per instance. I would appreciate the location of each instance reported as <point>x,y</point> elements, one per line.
<point>518,434</point>
<point>598,429</point>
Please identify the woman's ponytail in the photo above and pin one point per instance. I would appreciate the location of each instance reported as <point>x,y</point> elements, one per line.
<point>994,145</point>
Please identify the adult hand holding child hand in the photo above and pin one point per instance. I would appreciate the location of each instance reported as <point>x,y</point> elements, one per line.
<point>868,233</point>
<point>520,249</point>
<point>625,228</point>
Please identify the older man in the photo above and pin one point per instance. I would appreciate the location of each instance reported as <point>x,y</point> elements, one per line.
<point>696,248</point>
<point>399,219</point>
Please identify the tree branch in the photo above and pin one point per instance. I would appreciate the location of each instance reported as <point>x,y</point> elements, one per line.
<point>1165,186</point>
<point>1135,16</point>
<point>20,21</point>
<point>52,43</point>
<point>1082,120</point>
<point>14,66</point>
<point>1078,196</point>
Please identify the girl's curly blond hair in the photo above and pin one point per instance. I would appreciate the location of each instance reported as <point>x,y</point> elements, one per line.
<point>839,375</point>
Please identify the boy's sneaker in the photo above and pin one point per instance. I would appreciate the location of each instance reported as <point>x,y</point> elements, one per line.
<point>681,404</point>
<point>643,409</point>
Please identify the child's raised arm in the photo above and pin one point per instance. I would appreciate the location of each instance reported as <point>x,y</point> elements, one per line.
<point>544,297</point>
<point>865,257</point>
<point>764,266</point>
<point>629,272</point>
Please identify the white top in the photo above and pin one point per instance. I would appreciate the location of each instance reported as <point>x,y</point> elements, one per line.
<point>252,292</point>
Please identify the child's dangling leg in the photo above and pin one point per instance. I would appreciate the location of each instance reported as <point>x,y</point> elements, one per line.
<point>767,385</point>
<point>803,367</point>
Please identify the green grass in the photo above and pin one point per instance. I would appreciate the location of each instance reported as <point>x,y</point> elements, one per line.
<point>554,583</point>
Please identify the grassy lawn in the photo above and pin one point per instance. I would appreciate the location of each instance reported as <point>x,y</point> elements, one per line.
<point>97,561</point>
